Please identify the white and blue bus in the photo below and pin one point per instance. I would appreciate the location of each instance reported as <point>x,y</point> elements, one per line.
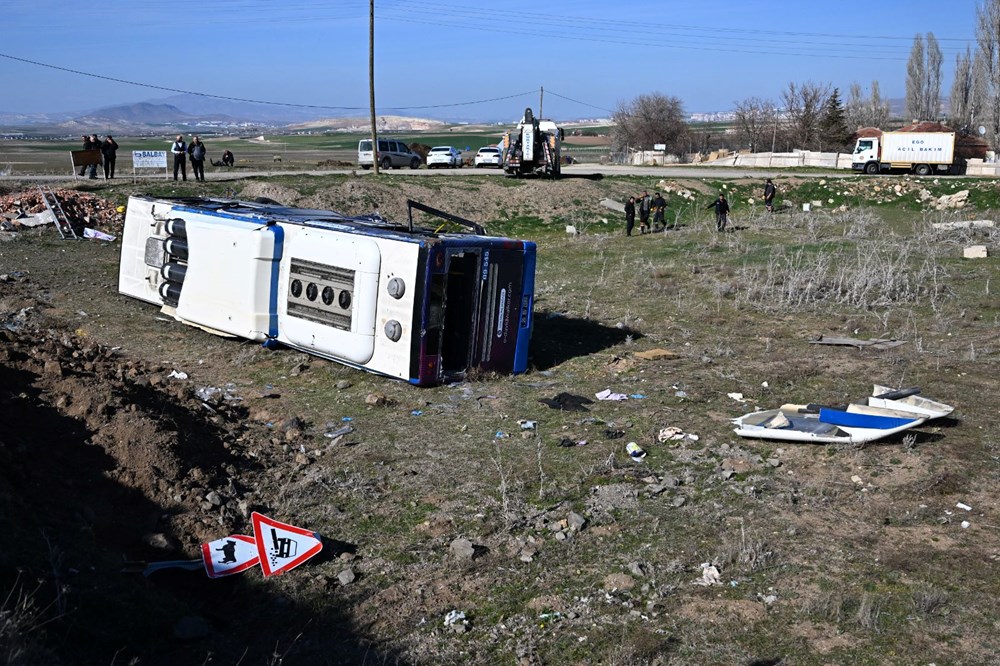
<point>401,300</point>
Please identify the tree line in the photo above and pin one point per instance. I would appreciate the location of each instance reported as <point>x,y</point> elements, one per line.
<point>813,116</point>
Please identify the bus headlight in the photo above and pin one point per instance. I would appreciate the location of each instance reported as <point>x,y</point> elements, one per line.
<point>396,287</point>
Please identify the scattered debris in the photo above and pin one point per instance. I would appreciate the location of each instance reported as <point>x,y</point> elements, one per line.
<point>568,402</point>
<point>709,575</point>
<point>963,507</point>
<point>635,451</point>
<point>656,355</point>
<point>98,235</point>
<point>606,394</point>
<point>177,375</point>
<point>967,224</point>
<point>455,621</point>
<point>673,433</point>
<point>738,397</point>
<point>975,252</point>
<point>877,343</point>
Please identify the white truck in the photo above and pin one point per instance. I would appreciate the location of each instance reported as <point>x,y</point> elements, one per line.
<point>534,148</point>
<point>922,153</point>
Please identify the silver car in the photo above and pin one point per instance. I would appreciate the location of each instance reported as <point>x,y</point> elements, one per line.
<point>391,154</point>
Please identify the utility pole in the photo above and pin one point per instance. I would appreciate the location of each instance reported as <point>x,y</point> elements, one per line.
<point>371,81</point>
<point>541,101</point>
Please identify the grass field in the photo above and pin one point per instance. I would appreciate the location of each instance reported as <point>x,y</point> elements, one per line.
<point>827,554</point>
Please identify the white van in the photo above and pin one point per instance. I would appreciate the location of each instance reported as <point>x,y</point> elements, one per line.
<point>394,154</point>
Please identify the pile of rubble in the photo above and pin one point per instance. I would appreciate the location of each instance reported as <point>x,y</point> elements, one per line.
<point>83,209</point>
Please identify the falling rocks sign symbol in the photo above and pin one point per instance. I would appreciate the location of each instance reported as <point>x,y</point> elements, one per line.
<point>229,555</point>
<point>282,547</point>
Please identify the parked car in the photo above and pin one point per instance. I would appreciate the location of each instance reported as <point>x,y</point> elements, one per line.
<point>391,154</point>
<point>444,156</point>
<point>488,156</point>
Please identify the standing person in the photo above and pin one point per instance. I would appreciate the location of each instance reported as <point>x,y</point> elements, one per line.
<point>197,152</point>
<point>769,191</point>
<point>659,206</point>
<point>95,144</point>
<point>109,150</point>
<point>86,146</point>
<point>179,149</point>
<point>721,207</point>
<point>629,216</point>
<point>644,205</point>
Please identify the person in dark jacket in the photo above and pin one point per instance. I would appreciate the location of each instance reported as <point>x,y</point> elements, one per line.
<point>179,149</point>
<point>629,216</point>
<point>721,207</point>
<point>769,191</point>
<point>228,159</point>
<point>197,152</point>
<point>659,205</point>
<point>86,146</point>
<point>95,144</point>
<point>109,150</point>
<point>645,203</point>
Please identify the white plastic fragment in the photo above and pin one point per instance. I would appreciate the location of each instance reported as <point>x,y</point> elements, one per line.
<point>963,507</point>
<point>709,575</point>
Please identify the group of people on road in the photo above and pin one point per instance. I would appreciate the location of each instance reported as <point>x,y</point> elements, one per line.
<point>109,150</point>
<point>195,151</point>
<point>658,205</point>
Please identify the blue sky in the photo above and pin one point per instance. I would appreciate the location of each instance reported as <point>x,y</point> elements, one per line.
<point>589,55</point>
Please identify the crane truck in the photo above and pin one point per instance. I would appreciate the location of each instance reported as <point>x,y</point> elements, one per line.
<point>533,148</point>
<point>921,153</point>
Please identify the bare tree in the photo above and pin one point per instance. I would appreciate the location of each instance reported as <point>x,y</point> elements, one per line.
<point>648,120</point>
<point>988,67</point>
<point>916,80</point>
<point>932,85</point>
<point>861,111</point>
<point>756,123</point>
<point>923,79</point>
<point>804,105</point>
<point>962,89</point>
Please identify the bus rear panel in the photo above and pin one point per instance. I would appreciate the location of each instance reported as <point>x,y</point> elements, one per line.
<point>400,301</point>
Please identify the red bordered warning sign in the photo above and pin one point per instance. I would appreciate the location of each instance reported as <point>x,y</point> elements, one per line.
<point>229,555</point>
<point>282,547</point>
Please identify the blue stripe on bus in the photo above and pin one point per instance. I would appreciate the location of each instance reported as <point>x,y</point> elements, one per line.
<point>527,292</point>
<point>279,244</point>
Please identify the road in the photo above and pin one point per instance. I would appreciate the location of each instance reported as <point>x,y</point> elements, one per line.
<point>569,171</point>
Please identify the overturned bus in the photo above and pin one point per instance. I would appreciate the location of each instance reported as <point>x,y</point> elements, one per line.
<point>401,300</point>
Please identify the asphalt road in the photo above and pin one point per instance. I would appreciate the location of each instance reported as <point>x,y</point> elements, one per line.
<point>569,171</point>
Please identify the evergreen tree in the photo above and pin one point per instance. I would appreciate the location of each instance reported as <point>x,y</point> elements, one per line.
<point>833,124</point>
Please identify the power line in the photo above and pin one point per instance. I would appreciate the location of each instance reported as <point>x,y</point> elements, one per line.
<point>629,41</point>
<point>257,101</point>
<point>650,26</point>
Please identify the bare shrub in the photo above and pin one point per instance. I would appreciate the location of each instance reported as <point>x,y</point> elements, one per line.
<point>927,599</point>
<point>873,274</point>
<point>20,625</point>
<point>749,554</point>
<point>869,611</point>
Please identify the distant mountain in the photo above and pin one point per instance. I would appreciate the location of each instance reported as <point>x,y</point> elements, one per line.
<point>140,113</point>
<point>207,107</point>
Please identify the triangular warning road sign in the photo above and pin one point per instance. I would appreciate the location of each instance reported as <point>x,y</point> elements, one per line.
<point>282,547</point>
<point>229,555</point>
